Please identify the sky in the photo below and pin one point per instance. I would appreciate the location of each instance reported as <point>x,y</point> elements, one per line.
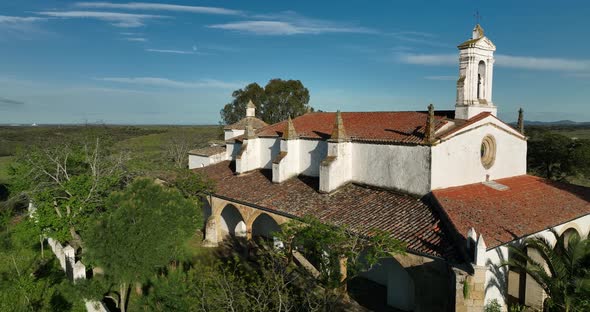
<point>177,62</point>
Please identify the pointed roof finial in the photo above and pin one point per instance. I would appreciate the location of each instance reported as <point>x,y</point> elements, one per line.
<point>478,32</point>
<point>338,134</point>
<point>429,131</point>
<point>250,109</point>
<point>520,123</point>
<point>289,133</point>
<point>251,104</point>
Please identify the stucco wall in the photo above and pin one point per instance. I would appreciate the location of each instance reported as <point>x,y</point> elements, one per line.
<point>400,167</point>
<point>196,161</point>
<point>268,148</point>
<point>228,134</point>
<point>457,161</point>
<point>496,280</point>
<point>311,153</point>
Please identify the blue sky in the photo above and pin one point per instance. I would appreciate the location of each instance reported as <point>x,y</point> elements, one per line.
<point>177,62</point>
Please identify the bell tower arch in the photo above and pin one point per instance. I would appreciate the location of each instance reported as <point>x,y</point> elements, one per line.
<point>476,68</point>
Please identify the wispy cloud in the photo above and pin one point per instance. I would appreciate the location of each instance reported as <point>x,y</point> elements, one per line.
<point>136,39</point>
<point>116,19</point>
<point>171,51</point>
<point>418,37</point>
<point>286,28</point>
<point>441,78</point>
<point>290,23</point>
<point>9,102</point>
<point>19,27</point>
<point>508,61</point>
<point>169,83</point>
<point>159,7</point>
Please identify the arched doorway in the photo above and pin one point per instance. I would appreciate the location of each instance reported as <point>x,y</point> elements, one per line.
<point>232,223</point>
<point>264,226</point>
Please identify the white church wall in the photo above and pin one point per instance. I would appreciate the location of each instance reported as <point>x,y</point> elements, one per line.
<point>231,150</point>
<point>402,167</point>
<point>268,148</point>
<point>232,133</point>
<point>496,255</point>
<point>198,161</point>
<point>461,156</point>
<point>311,153</point>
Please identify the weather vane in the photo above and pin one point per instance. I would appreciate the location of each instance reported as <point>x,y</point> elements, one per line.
<point>477,17</point>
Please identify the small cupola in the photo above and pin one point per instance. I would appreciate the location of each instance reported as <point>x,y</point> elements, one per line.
<point>250,109</point>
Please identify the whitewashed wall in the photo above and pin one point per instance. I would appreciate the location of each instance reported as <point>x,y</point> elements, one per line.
<point>392,166</point>
<point>268,149</point>
<point>457,161</point>
<point>311,153</point>
<point>232,133</point>
<point>496,255</point>
<point>198,161</point>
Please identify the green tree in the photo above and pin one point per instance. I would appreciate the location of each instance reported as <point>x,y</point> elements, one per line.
<point>338,253</point>
<point>567,277</point>
<point>278,100</point>
<point>236,110</point>
<point>68,183</point>
<point>555,156</point>
<point>144,231</point>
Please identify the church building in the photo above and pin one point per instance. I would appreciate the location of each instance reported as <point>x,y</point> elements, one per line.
<point>451,184</point>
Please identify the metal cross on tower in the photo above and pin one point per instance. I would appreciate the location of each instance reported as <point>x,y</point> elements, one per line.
<point>477,16</point>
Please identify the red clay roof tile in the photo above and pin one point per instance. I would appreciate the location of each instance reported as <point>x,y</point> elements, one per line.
<point>531,204</point>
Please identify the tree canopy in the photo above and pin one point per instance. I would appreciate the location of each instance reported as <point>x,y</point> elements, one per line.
<point>277,101</point>
<point>555,156</point>
<point>147,226</point>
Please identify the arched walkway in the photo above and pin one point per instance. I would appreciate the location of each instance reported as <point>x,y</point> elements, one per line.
<point>567,234</point>
<point>400,285</point>
<point>231,222</point>
<point>264,226</point>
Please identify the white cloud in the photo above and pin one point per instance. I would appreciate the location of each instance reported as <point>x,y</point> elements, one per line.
<point>18,19</point>
<point>170,51</point>
<point>137,39</point>
<point>428,59</point>
<point>159,7</point>
<point>441,78</point>
<point>169,83</point>
<point>116,19</point>
<point>287,28</point>
<point>508,61</point>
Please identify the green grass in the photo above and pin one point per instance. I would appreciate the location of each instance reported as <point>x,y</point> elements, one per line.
<point>4,164</point>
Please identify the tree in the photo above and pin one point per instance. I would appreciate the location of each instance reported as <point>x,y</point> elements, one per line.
<point>236,110</point>
<point>68,183</point>
<point>144,231</point>
<point>338,253</point>
<point>556,156</point>
<point>564,273</point>
<point>278,100</point>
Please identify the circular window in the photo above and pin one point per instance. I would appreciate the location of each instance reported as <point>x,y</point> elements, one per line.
<point>488,151</point>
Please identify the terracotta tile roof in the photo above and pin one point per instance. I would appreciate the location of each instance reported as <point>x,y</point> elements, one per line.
<point>398,127</point>
<point>362,208</point>
<point>460,124</point>
<point>529,205</point>
<point>241,125</point>
<point>208,151</point>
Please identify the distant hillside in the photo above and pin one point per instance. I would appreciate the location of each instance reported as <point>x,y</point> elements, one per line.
<point>555,123</point>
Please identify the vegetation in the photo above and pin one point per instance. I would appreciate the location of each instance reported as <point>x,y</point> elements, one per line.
<point>143,232</point>
<point>277,101</point>
<point>565,273</point>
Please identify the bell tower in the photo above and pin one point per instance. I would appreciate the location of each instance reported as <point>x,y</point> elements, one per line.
<point>476,71</point>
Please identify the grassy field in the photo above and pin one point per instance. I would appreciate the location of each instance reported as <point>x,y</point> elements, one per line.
<point>145,145</point>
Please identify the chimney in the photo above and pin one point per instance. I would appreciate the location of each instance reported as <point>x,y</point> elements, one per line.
<point>338,134</point>
<point>520,123</point>
<point>429,131</point>
<point>250,134</point>
<point>289,133</point>
<point>250,109</point>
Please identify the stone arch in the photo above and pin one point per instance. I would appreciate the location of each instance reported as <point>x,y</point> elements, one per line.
<point>264,225</point>
<point>207,210</point>
<point>231,222</point>
<point>481,79</point>
<point>568,232</point>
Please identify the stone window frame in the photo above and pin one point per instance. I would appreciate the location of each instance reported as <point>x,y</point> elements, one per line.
<point>488,151</point>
